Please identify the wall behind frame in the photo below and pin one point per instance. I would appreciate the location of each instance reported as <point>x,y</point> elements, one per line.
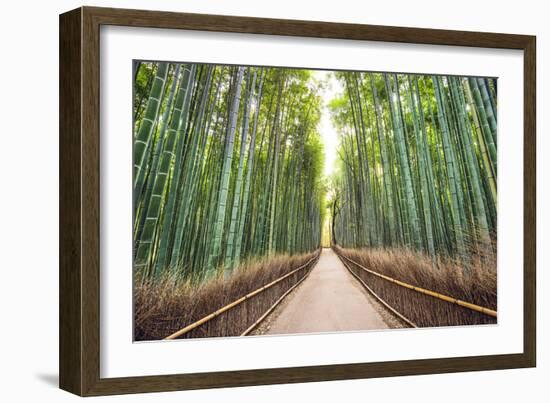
<point>29,202</point>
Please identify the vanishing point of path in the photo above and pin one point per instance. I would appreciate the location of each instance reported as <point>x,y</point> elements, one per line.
<point>330,299</point>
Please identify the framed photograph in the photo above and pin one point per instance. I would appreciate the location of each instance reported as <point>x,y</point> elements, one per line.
<point>249,201</point>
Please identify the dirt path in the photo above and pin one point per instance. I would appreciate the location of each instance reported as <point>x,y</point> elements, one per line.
<point>328,300</point>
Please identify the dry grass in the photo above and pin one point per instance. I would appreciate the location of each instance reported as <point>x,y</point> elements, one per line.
<point>476,284</point>
<point>165,306</point>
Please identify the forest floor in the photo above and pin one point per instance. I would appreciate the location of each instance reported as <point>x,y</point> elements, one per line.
<point>330,299</point>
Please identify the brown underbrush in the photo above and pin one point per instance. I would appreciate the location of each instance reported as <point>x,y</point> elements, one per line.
<point>474,281</point>
<point>166,305</point>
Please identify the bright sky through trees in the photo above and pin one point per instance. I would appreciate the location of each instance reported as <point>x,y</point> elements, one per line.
<point>332,88</point>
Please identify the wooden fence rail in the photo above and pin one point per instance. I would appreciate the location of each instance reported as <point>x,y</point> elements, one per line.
<point>239,301</point>
<point>452,300</point>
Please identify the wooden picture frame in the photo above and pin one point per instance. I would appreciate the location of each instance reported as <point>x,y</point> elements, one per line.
<point>80,183</point>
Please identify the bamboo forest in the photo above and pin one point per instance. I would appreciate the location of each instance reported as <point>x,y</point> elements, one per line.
<point>247,179</point>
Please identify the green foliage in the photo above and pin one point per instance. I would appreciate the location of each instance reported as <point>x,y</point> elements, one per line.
<point>229,165</point>
<point>240,173</point>
<point>417,162</point>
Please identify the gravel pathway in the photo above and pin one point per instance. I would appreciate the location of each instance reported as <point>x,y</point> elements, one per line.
<point>329,300</point>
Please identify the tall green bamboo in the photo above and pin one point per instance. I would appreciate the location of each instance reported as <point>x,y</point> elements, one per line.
<point>166,229</point>
<point>144,136</point>
<point>428,182</point>
<point>238,184</point>
<point>189,170</point>
<point>148,185</point>
<point>152,211</point>
<point>226,171</point>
